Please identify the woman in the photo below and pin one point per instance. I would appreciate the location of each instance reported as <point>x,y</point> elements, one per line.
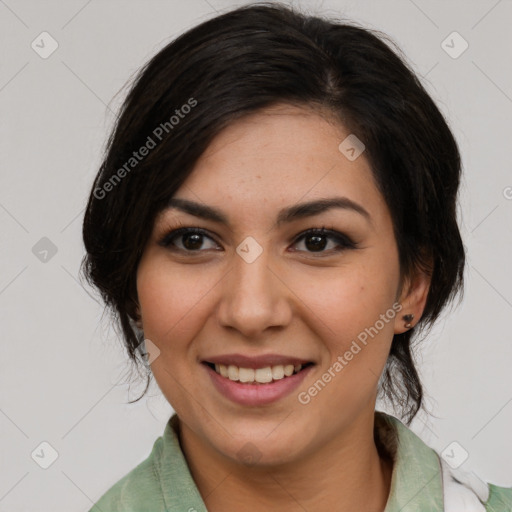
<point>273,223</point>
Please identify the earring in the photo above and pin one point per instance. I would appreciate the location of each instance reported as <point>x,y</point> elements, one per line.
<point>408,320</point>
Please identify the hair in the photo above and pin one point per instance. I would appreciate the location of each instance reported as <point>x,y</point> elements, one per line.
<point>246,60</point>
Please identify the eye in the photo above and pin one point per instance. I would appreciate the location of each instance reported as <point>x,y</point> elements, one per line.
<point>191,239</point>
<point>316,240</point>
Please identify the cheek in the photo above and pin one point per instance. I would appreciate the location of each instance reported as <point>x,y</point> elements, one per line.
<point>354,314</point>
<point>353,309</point>
<point>349,299</point>
<point>174,306</point>
<point>171,300</point>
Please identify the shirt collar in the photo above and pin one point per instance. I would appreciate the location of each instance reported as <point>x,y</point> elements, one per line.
<point>179,490</point>
<point>415,482</point>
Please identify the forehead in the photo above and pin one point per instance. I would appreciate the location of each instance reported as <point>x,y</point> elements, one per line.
<point>281,130</point>
<point>276,157</point>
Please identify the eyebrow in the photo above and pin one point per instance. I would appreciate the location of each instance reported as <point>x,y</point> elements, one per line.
<point>286,215</point>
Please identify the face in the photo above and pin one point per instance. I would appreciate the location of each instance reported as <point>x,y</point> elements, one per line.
<point>258,294</point>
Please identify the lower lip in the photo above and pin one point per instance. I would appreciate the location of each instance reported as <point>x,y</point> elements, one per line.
<point>257,394</point>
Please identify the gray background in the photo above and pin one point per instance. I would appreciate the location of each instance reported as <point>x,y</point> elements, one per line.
<point>63,370</point>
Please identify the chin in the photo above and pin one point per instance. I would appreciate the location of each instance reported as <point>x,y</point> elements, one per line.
<point>260,451</point>
<point>252,456</point>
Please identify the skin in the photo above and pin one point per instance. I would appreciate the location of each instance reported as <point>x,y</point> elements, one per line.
<point>291,300</point>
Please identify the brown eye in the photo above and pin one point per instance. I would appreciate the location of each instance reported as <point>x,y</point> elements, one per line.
<point>192,241</point>
<point>316,240</point>
<point>187,240</point>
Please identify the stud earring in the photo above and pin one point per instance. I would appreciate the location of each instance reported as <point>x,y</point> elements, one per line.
<point>408,320</point>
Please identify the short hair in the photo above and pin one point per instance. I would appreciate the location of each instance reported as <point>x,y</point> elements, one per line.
<point>239,63</point>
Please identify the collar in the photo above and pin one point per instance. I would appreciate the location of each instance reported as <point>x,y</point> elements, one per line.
<point>416,481</point>
<point>183,493</point>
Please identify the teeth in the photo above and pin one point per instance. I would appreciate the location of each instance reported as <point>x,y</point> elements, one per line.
<point>288,369</point>
<point>277,372</point>
<point>263,375</point>
<point>246,374</point>
<point>232,372</point>
<point>260,375</point>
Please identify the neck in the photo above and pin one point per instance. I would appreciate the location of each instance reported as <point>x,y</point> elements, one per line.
<point>346,474</point>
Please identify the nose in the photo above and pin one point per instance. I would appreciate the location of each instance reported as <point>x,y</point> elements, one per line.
<point>255,297</point>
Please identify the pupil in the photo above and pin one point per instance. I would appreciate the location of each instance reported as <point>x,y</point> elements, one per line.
<point>196,241</point>
<point>317,244</point>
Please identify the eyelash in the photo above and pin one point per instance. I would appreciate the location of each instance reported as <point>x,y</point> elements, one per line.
<point>344,242</point>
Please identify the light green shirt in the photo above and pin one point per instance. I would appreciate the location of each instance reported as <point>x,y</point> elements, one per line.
<point>163,483</point>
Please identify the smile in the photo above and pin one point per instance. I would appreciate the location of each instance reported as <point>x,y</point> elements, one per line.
<point>263,375</point>
<point>267,382</point>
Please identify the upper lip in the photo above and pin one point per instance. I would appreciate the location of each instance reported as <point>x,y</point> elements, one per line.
<point>255,362</point>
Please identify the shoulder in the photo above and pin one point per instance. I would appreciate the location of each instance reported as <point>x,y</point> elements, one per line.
<point>452,490</point>
<point>160,483</point>
<point>500,499</point>
<point>137,490</point>
<point>465,491</point>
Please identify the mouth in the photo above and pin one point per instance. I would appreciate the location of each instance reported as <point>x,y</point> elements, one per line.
<point>256,381</point>
<point>257,376</point>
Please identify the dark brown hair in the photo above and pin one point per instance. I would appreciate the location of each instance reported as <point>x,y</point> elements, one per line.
<point>255,57</point>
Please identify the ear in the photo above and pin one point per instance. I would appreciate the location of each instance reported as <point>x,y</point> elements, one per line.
<point>413,299</point>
